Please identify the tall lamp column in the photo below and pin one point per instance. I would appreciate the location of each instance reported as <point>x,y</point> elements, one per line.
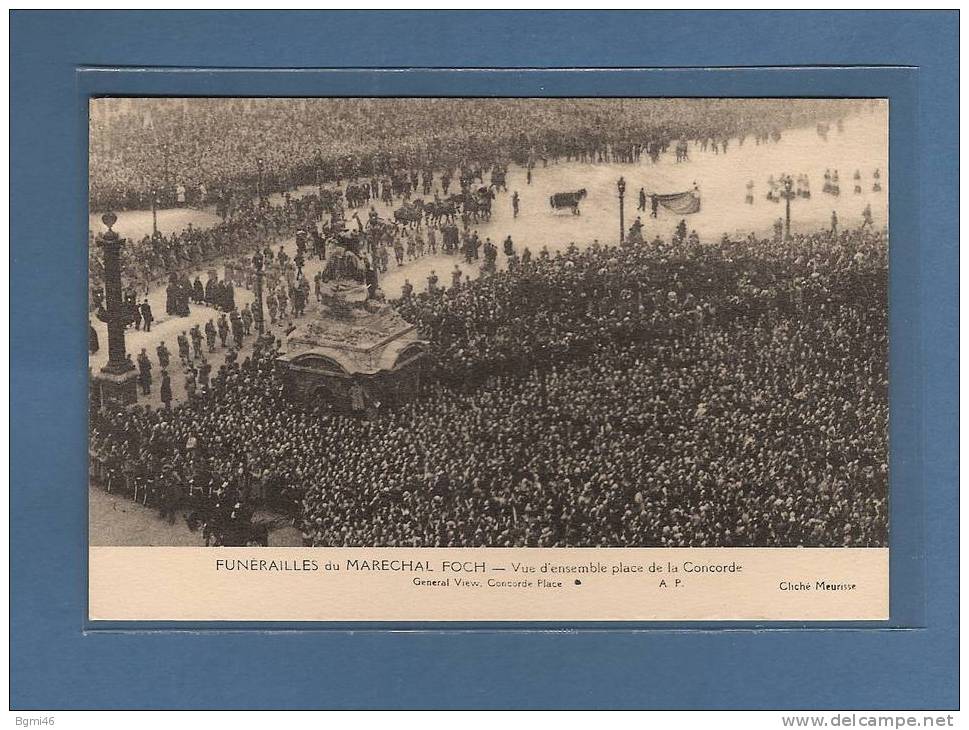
<point>117,380</point>
<point>257,315</point>
<point>154,212</point>
<point>788,194</point>
<point>621,185</point>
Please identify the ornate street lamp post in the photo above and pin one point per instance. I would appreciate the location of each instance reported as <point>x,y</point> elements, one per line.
<point>788,194</point>
<point>621,185</point>
<point>257,315</point>
<point>154,212</point>
<point>117,381</point>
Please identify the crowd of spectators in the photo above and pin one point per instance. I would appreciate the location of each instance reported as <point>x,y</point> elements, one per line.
<point>729,393</point>
<point>199,152</point>
<point>153,259</point>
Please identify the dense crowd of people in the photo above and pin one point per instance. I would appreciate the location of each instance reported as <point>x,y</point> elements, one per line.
<point>154,258</point>
<point>199,152</point>
<point>670,393</point>
<point>316,220</point>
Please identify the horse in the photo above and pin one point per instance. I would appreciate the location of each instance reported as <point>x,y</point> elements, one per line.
<point>567,200</point>
<point>440,210</point>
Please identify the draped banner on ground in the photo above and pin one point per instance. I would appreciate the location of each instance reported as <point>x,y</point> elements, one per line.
<point>681,203</point>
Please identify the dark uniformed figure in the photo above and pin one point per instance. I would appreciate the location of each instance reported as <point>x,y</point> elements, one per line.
<point>407,290</point>
<point>514,204</point>
<point>183,351</point>
<point>190,384</point>
<point>283,302</point>
<point>198,291</point>
<point>636,232</point>
<point>299,301</point>
<point>164,357</point>
<point>210,335</point>
<point>235,322</point>
<point>166,389</point>
<point>246,320</point>
<point>171,296</point>
<point>653,205</point>
<point>223,329</point>
<point>144,372</point>
<point>135,311</point>
<point>432,282</point>
<point>146,315</point>
<point>211,291</point>
<point>456,277</point>
<point>370,278</point>
<point>642,200</point>
<point>196,341</point>
<point>228,297</point>
<point>509,247</point>
<point>490,256</point>
<point>680,234</point>
<point>205,369</point>
<point>182,296</point>
<point>272,307</point>
<point>318,285</point>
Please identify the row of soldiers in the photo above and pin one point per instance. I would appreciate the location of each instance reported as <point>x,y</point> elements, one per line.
<point>229,330</point>
<point>278,301</point>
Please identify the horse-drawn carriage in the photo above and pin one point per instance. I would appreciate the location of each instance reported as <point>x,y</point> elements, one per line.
<point>410,214</point>
<point>227,527</point>
<point>477,204</point>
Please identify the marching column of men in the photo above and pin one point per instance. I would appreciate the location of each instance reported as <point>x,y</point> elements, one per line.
<point>228,332</point>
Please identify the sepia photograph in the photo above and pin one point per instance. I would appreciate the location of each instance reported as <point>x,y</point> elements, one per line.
<point>488,322</point>
<point>485,360</point>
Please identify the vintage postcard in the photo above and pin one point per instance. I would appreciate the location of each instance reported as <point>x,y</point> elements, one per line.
<point>488,359</point>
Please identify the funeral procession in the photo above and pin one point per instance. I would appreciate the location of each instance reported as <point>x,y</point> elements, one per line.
<point>430,322</point>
